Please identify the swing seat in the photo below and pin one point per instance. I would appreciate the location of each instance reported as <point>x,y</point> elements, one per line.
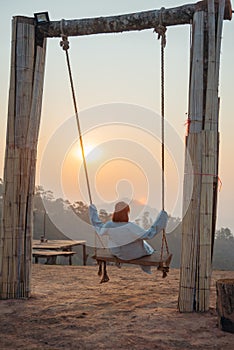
<point>155,259</point>
<point>148,260</point>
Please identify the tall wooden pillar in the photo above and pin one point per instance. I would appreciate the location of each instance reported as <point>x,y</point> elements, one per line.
<point>199,207</point>
<point>24,109</point>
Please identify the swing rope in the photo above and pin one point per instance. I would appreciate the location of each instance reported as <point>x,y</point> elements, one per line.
<point>65,46</point>
<point>161,31</point>
<point>64,43</point>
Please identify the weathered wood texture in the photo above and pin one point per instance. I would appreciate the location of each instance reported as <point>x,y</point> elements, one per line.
<point>128,22</point>
<point>198,226</point>
<point>155,259</point>
<point>24,109</point>
<point>25,95</point>
<point>225,304</point>
<point>192,177</point>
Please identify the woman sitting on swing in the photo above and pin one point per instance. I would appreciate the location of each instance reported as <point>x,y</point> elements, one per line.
<point>127,240</point>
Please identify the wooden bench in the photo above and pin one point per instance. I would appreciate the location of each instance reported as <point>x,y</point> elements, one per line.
<point>60,245</point>
<point>51,256</point>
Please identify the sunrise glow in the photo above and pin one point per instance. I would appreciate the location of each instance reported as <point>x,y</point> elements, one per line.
<point>91,152</point>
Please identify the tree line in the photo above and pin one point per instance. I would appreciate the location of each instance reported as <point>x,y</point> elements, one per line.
<point>43,226</point>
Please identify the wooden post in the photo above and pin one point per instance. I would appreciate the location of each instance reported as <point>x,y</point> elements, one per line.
<point>192,177</point>
<point>225,304</point>
<point>25,97</point>
<point>198,226</point>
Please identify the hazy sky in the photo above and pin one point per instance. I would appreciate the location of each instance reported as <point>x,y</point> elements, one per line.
<point>117,79</point>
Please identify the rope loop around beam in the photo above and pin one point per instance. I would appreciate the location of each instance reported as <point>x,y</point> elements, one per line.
<point>161,29</point>
<point>64,43</point>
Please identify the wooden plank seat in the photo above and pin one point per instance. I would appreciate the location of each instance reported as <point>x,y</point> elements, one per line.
<point>104,255</point>
<point>52,255</point>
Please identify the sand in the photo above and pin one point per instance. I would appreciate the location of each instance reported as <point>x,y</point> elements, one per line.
<point>70,309</point>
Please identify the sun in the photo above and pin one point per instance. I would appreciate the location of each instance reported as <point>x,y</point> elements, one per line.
<point>142,200</point>
<point>91,152</point>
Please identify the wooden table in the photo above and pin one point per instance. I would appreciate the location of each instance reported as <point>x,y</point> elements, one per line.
<point>59,246</point>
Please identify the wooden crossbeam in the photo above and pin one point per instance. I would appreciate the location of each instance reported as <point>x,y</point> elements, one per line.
<point>127,22</point>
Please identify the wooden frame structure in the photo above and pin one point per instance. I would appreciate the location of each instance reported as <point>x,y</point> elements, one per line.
<point>25,98</point>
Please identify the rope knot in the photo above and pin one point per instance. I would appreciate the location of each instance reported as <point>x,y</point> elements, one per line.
<point>64,43</point>
<point>161,31</point>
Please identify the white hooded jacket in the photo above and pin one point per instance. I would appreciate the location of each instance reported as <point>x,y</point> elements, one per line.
<point>126,240</point>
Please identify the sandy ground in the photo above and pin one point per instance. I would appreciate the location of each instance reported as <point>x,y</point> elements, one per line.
<point>70,309</point>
